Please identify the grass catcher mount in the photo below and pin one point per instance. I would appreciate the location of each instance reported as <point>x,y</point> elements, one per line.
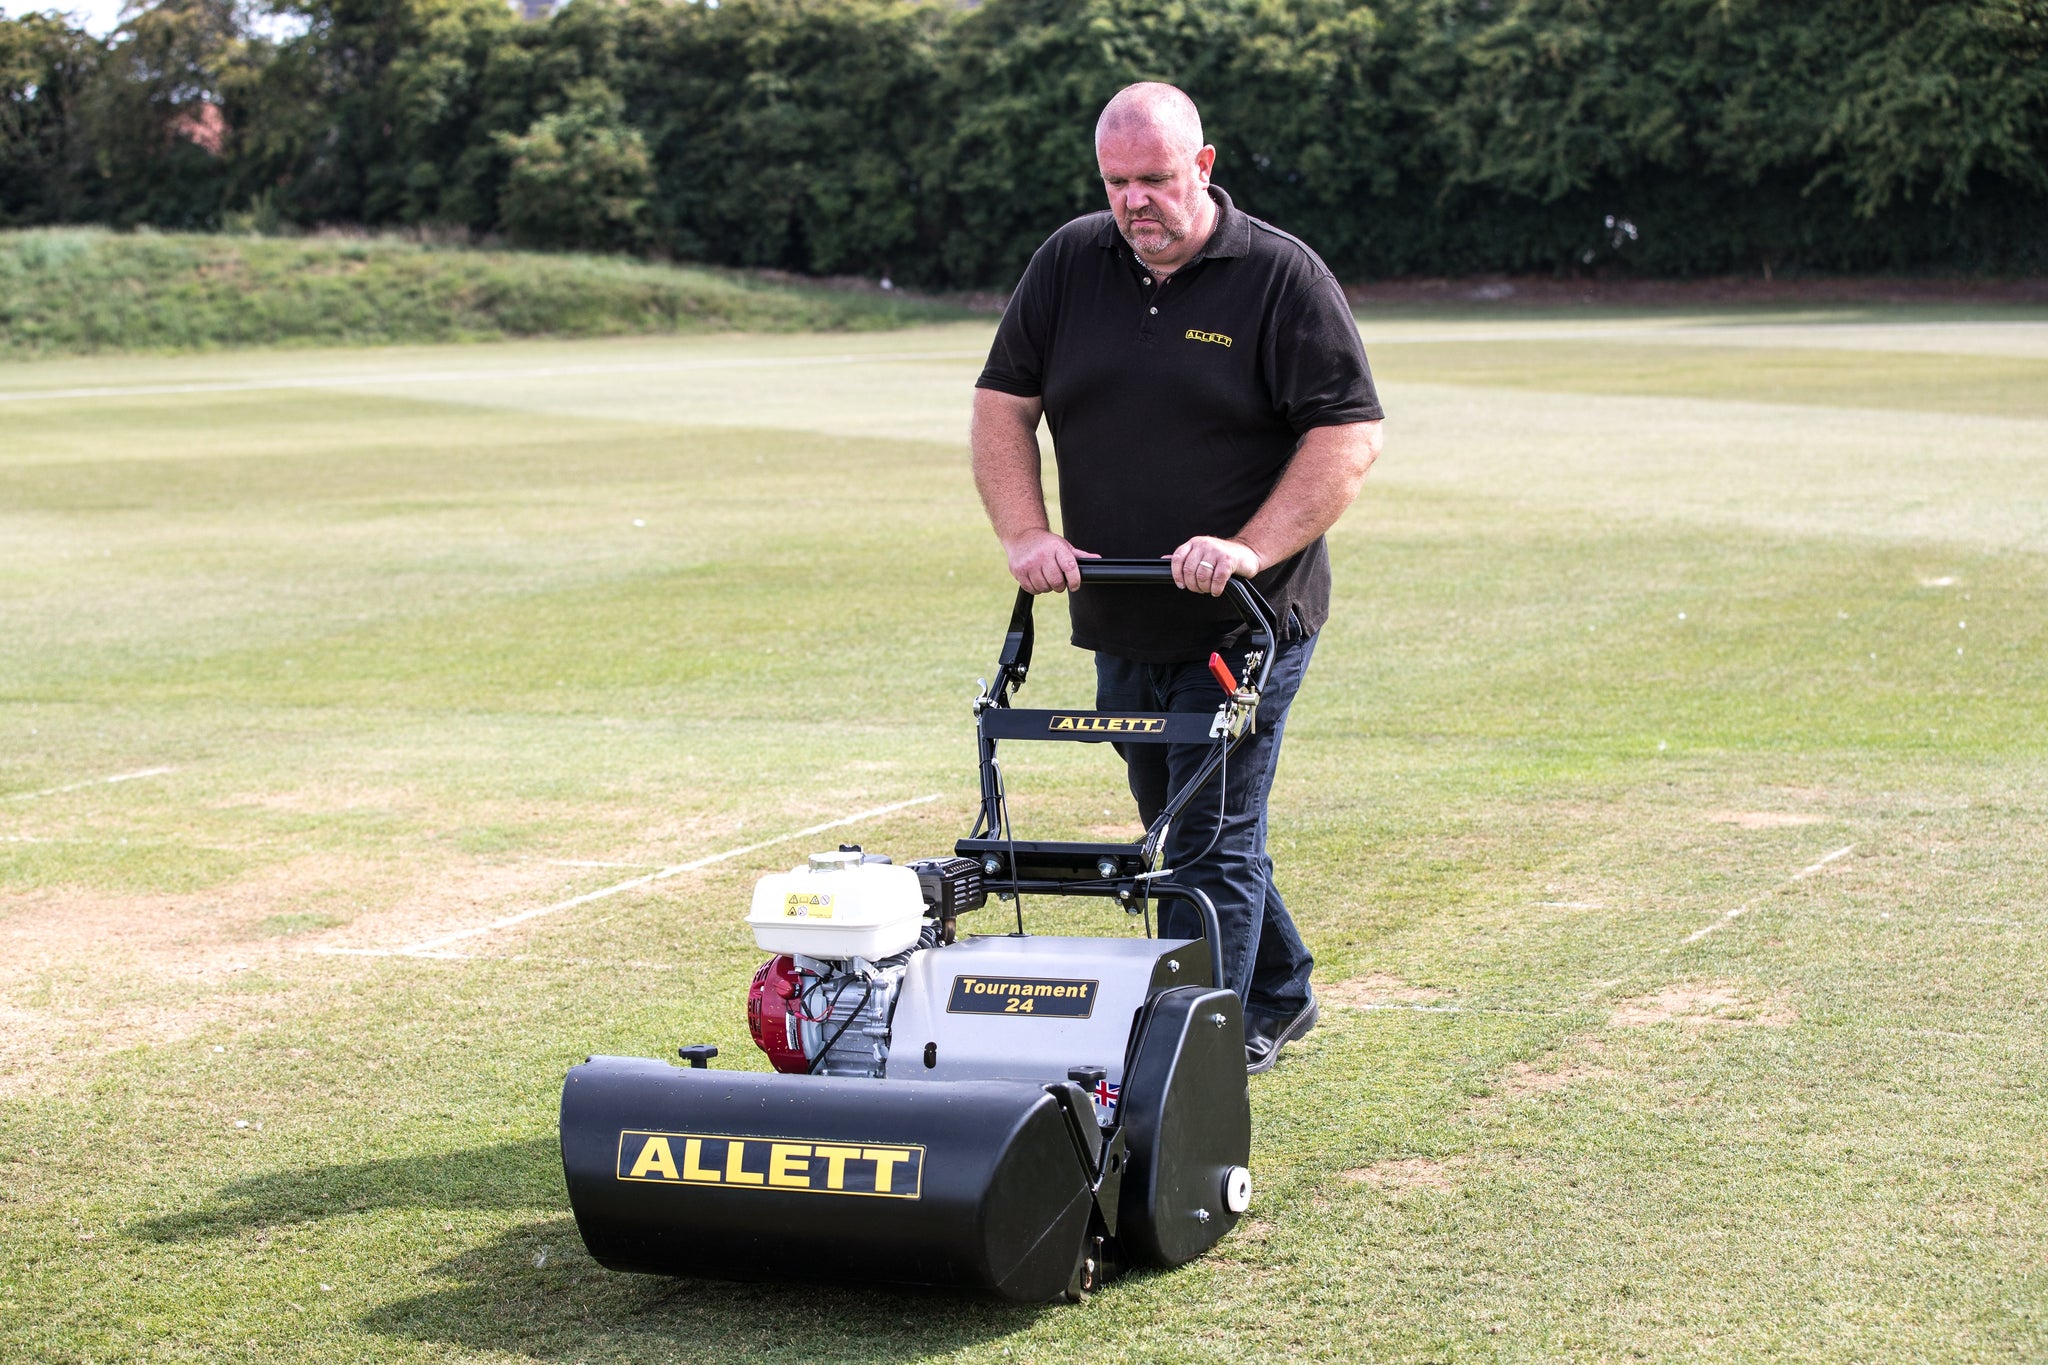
<point>1020,1115</point>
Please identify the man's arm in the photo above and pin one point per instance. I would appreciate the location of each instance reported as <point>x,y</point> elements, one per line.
<point>1324,476</point>
<point>1006,472</point>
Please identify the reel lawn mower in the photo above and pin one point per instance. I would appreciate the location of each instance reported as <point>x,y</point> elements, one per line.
<point>1020,1115</point>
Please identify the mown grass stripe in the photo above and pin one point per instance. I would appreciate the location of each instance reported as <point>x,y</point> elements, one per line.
<point>474,376</point>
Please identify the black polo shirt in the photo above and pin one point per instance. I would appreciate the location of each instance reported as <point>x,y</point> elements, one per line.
<point>1175,407</point>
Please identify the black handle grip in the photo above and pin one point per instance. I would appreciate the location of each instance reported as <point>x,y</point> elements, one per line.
<point>1132,572</point>
<point>1147,573</point>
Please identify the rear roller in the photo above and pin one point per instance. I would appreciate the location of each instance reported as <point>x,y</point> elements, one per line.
<point>735,1175</point>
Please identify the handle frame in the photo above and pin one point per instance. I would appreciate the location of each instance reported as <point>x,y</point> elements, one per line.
<point>1079,869</point>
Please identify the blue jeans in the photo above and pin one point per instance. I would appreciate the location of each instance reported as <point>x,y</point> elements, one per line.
<point>1264,959</point>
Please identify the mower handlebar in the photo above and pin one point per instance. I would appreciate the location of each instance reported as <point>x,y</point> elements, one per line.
<point>1136,573</point>
<point>1153,573</point>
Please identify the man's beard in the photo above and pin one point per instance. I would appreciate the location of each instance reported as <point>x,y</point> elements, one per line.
<point>1166,237</point>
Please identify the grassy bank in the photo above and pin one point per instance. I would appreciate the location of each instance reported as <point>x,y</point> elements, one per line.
<point>81,291</point>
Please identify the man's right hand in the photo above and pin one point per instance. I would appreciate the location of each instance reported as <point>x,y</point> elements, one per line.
<point>1042,562</point>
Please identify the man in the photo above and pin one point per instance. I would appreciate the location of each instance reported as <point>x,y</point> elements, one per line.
<point>1210,402</point>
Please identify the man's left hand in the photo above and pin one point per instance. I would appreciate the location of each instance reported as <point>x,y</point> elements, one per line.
<point>1206,564</point>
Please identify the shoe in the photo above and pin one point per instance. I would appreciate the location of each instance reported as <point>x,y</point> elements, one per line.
<point>1263,1037</point>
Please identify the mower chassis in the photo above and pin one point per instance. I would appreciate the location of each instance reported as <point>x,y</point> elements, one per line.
<point>1029,1159</point>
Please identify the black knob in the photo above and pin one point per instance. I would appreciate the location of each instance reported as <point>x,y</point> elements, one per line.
<point>1087,1077</point>
<point>698,1055</point>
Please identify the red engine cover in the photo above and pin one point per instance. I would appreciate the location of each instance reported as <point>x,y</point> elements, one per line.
<point>770,1016</point>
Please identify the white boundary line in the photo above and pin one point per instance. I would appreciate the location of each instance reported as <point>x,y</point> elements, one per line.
<point>93,782</point>
<point>436,947</point>
<point>406,379</point>
<point>595,862</point>
<point>1801,875</point>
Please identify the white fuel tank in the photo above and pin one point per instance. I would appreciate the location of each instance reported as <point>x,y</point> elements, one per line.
<point>838,907</point>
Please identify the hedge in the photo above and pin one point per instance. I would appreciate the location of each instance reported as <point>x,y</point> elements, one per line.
<point>938,144</point>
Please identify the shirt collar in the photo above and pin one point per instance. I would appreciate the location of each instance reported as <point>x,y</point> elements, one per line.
<point>1232,235</point>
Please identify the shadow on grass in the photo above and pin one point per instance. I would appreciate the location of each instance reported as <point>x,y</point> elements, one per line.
<point>567,1307</point>
<point>532,1290</point>
<point>508,1175</point>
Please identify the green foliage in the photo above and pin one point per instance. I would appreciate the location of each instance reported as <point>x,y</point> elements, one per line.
<point>1029,77</point>
<point>789,133</point>
<point>46,68</point>
<point>1955,93</point>
<point>386,111</point>
<point>158,134</point>
<point>939,143</point>
<point>86,291</point>
<point>1733,133</point>
<point>580,178</point>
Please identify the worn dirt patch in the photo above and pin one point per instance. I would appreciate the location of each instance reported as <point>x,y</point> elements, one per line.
<point>38,1045</point>
<point>1576,1061</point>
<point>1761,819</point>
<point>1377,990</point>
<point>313,798</point>
<point>1405,1173</point>
<point>1128,832</point>
<point>84,973</point>
<point>1525,1080</point>
<point>1696,1005</point>
<point>458,895</point>
<point>382,901</point>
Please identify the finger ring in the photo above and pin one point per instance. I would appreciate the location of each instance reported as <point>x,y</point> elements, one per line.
<point>1207,564</point>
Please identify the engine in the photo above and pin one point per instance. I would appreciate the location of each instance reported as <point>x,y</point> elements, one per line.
<point>827,1018</point>
<point>822,1006</point>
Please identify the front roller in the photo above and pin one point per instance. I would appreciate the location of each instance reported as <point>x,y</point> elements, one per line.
<point>744,1175</point>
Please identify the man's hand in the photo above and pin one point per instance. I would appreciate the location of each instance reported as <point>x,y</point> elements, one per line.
<point>1206,564</point>
<point>1043,562</point>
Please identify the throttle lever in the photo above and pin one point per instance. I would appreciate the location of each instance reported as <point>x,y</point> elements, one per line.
<point>1221,672</point>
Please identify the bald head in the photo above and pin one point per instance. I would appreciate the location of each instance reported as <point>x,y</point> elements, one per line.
<point>1155,168</point>
<point>1152,107</point>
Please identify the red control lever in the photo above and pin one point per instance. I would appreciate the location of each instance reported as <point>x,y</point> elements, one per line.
<point>1221,671</point>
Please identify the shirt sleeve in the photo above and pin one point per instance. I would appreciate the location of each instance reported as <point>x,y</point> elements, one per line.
<point>1016,359</point>
<point>1316,366</point>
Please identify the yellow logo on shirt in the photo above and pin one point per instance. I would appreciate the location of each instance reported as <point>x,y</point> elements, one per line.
<point>1215,337</point>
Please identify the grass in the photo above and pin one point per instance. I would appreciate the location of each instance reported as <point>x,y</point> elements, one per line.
<point>1632,630</point>
<point>1969,385</point>
<point>87,291</point>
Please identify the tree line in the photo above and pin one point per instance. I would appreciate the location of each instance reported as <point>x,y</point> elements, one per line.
<point>938,143</point>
